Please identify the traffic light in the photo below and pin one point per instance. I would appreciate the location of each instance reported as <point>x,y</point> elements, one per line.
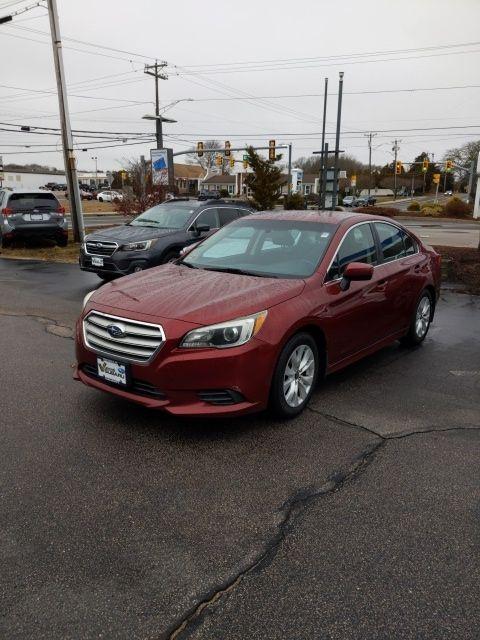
<point>271,150</point>
<point>425,165</point>
<point>199,149</point>
<point>218,160</point>
<point>227,148</point>
<point>448,165</point>
<point>436,178</point>
<point>398,167</point>
<point>245,164</point>
<point>232,162</point>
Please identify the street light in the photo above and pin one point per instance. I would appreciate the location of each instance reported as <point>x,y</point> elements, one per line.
<point>158,127</point>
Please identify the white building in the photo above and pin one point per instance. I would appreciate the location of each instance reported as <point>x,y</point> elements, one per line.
<point>23,179</point>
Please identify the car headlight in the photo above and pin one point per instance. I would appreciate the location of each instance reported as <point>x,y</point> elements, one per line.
<point>226,334</point>
<point>138,246</point>
<point>87,298</point>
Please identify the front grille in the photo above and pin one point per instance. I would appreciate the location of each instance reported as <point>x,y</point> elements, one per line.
<point>221,396</point>
<point>100,248</point>
<point>137,342</point>
<point>139,387</point>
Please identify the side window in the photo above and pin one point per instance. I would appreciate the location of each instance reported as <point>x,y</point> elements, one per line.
<point>357,246</point>
<point>227,215</point>
<point>208,217</point>
<point>242,212</point>
<point>409,244</point>
<point>391,241</point>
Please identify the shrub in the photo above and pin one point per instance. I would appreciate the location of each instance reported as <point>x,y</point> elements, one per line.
<point>224,193</point>
<point>414,206</point>
<point>391,212</point>
<point>457,208</point>
<point>433,210</point>
<point>294,201</point>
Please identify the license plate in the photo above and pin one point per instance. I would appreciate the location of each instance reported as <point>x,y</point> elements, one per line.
<point>97,262</point>
<point>112,371</point>
<point>36,217</point>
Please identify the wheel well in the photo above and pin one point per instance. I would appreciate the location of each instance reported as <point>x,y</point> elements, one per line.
<point>320,341</point>
<point>433,293</point>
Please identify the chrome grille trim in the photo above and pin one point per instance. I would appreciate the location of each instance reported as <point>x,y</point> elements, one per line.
<point>141,341</point>
<point>105,249</point>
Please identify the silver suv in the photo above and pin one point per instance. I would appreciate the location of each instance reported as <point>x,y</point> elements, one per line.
<point>31,213</point>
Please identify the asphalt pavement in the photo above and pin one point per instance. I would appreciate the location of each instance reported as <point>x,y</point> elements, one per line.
<point>357,520</point>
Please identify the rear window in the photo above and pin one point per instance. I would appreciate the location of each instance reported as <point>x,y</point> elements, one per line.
<point>19,201</point>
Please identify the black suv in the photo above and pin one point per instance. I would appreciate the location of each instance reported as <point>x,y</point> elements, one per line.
<point>156,236</point>
<point>27,214</point>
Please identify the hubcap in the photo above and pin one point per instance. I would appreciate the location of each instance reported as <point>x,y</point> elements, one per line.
<point>422,319</point>
<point>137,269</point>
<point>298,375</point>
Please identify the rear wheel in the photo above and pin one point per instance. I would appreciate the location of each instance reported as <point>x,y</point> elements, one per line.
<point>100,199</point>
<point>295,376</point>
<point>169,256</point>
<point>421,319</point>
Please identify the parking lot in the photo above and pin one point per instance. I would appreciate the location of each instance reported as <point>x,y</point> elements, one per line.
<point>359,519</point>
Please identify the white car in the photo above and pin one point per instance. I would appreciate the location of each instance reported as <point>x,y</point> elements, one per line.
<point>109,196</point>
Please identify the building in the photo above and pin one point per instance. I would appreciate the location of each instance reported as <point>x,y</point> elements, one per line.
<point>188,178</point>
<point>219,182</point>
<point>18,178</point>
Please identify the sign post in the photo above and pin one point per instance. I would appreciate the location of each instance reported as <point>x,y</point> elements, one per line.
<point>162,167</point>
<point>1,171</point>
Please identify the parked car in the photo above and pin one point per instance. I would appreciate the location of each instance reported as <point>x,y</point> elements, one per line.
<point>365,201</point>
<point>349,201</point>
<point>109,196</point>
<point>258,312</point>
<point>448,193</point>
<point>32,213</point>
<point>84,195</point>
<point>59,186</point>
<point>206,194</point>
<point>154,237</point>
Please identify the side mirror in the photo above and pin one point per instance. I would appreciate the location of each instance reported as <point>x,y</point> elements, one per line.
<point>356,271</point>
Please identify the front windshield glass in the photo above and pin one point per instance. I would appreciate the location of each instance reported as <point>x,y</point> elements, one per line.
<point>269,248</point>
<point>169,215</point>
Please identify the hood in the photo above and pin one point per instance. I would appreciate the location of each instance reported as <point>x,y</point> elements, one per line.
<point>194,295</point>
<point>127,233</point>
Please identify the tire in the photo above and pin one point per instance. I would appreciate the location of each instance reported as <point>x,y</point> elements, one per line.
<point>421,320</point>
<point>288,395</point>
<point>100,199</point>
<point>169,256</point>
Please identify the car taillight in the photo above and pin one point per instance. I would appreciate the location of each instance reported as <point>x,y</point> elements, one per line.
<point>6,211</point>
<point>60,210</point>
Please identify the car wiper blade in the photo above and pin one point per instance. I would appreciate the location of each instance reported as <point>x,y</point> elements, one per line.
<point>240,272</point>
<point>186,264</point>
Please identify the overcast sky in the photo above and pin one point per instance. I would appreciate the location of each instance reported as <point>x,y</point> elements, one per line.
<point>255,49</point>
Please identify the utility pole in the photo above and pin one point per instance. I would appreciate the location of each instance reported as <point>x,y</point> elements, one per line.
<point>289,186</point>
<point>370,136</point>
<point>96,171</point>
<point>67,139</point>
<point>155,71</point>
<point>395,149</point>
<point>321,195</point>
<point>337,141</point>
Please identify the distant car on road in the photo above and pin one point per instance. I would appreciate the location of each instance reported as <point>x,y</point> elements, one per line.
<point>109,196</point>
<point>365,201</point>
<point>31,213</point>
<point>349,201</point>
<point>155,237</point>
<point>257,313</point>
<point>448,193</point>
<point>206,194</point>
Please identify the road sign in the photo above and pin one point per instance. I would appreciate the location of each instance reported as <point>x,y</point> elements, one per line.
<point>162,166</point>
<point>436,178</point>
<point>245,157</point>
<point>271,150</point>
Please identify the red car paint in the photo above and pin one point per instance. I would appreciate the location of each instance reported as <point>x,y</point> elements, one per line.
<point>347,324</point>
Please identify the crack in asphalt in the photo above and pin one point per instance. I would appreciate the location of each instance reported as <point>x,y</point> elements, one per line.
<point>51,326</point>
<point>292,508</point>
<point>391,436</point>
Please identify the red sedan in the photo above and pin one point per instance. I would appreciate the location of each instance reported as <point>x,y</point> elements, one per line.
<point>256,314</point>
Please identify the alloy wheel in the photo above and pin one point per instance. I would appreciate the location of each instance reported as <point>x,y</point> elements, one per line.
<point>298,375</point>
<point>422,318</point>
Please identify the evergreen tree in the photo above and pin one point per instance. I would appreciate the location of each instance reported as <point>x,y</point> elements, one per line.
<point>266,180</point>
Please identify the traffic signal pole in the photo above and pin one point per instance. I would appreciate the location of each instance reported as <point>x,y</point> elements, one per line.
<point>76,212</point>
<point>337,141</point>
<point>395,149</point>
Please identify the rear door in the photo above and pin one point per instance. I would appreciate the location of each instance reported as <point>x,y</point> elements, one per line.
<point>356,316</point>
<point>406,266</point>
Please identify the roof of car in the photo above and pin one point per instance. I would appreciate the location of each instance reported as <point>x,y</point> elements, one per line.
<point>328,217</point>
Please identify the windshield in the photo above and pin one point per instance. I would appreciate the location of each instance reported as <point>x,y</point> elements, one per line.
<point>269,248</point>
<point>173,215</point>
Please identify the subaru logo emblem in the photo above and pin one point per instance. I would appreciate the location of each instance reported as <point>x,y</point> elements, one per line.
<point>99,245</point>
<point>116,331</point>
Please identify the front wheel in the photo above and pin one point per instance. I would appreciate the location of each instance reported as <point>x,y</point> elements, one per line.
<point>100,199</point>
<point>295,376</point>
<point>420,322</point>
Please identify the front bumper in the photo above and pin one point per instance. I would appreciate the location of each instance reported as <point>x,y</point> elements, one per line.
<point>191,382</point>
<point>119,263</point>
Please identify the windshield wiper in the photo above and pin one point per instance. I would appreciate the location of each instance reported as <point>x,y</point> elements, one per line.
<point>240,272</point>
<point>186,264</point>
